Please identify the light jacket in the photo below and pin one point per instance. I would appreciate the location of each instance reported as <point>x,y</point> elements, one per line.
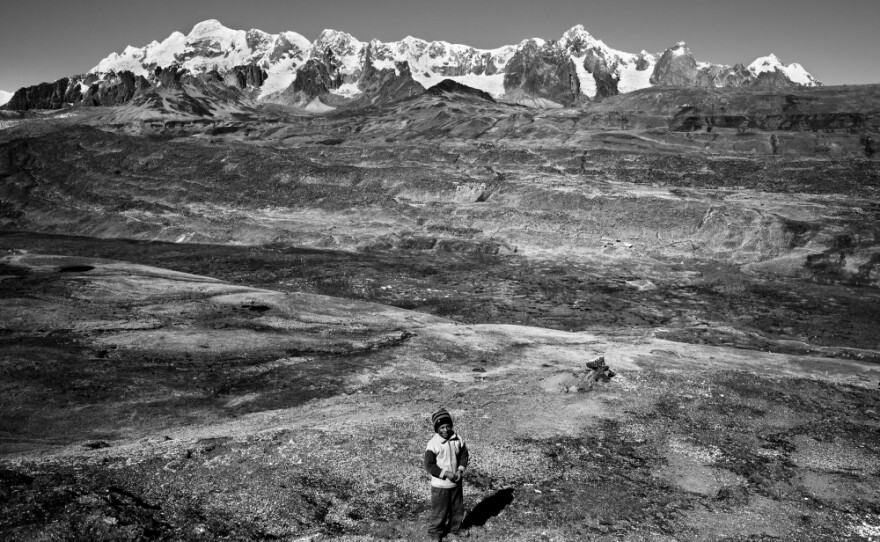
<point>445,455</point>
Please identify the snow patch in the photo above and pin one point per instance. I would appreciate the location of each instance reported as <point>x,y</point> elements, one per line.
<point>386,65</point>
<point>5,96</point>
<point>588,82</point>
<point>165,54</point>
<point>632,79</point>
<point>279,76</point>
<point>348,90</point>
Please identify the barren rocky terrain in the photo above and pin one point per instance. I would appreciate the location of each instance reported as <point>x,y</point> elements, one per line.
<point>236,328</point>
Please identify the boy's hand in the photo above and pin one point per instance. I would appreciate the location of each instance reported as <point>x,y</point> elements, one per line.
<point>446,475</point>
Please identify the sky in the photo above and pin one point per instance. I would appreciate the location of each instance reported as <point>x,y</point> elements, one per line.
<point>838,42</point>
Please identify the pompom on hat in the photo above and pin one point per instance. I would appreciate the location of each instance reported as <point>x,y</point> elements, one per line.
<point>440,417</point>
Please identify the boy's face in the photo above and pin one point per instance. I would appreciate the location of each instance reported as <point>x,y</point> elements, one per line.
<point>445,431</point>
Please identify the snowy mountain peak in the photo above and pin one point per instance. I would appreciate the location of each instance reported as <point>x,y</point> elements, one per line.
<point>794,71</point>
<point>766,63</point>
<point>5,96</point>
<point>336,39</point>
<point>577,32</point>
<point>268,64</point>
<point>209,27</point>
<point>577,39</point>
<point>294,39</point>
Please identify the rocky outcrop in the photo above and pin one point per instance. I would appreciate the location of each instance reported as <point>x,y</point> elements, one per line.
<point>169,77</point>
<point>117,90</point>
<point>543,71</point>
<point>677,67</point>
<point>453,89</point>
<point>643,62</point>
<point>314,79</point>
<point>604,76</point>
<point>776,79</point>
<point>388,85</point>
<point>246,76</point>
<point>42,96</point>
<point>726,76</point>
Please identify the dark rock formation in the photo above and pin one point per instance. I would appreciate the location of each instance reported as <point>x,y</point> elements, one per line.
<point>450,88</point>
<point>246,76</point>
<point>544,71</point>
<point>725,76</point>
<point>169,77</point>
<point>115,90</point>
<point>775,79</point>
<point>42,96</point>
<point>642,63</point>
<point>384,86</point>
<point>677,67</point>
<point>606,81</point>
<point>313,78</point>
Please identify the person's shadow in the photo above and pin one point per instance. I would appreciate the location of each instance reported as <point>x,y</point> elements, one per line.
<point>488,508</point>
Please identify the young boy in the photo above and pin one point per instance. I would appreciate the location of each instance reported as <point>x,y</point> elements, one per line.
<point>446,459</point>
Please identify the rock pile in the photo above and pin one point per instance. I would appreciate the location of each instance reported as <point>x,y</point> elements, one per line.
<point>594,371</point>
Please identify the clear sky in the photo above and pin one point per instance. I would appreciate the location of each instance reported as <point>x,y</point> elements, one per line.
<point>837,41</point>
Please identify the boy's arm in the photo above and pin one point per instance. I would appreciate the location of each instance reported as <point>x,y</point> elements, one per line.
<point>463,457</point>
<point>431,464</point>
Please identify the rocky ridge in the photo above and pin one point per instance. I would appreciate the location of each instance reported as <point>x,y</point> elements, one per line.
<point>337,70</point>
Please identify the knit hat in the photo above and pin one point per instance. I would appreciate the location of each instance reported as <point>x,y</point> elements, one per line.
<point>440,417</point>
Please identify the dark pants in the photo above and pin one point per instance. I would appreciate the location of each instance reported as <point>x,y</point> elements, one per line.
<point>446,503</point>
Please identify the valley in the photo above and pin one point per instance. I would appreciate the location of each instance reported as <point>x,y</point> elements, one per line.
<point>236,326</point>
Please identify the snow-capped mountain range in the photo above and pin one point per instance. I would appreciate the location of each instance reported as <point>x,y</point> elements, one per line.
<point>338,69</point>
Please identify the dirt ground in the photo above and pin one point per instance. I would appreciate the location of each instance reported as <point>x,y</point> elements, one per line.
<point>141,403</point>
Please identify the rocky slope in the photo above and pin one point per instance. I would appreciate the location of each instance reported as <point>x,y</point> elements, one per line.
<point>338,69</point>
